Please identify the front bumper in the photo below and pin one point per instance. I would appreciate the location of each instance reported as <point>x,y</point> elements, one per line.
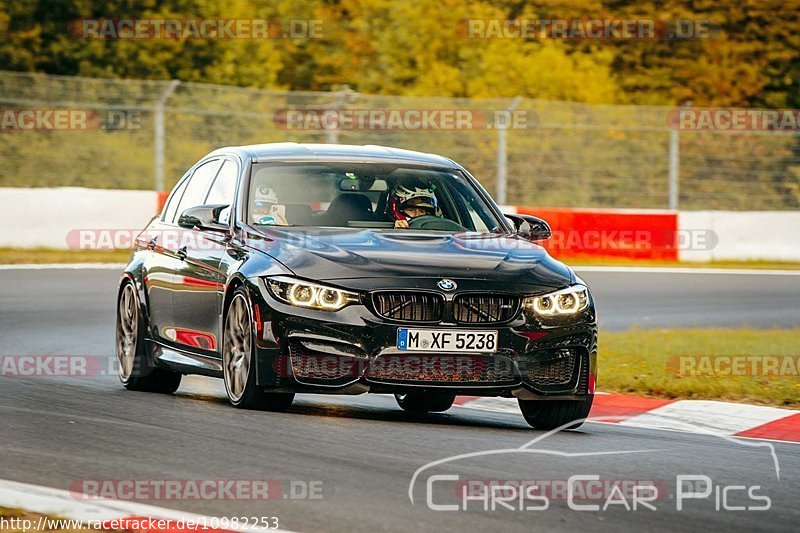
<point>354,351</point>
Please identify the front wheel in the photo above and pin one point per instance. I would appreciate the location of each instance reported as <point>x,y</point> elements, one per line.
<point>238,356</point>
<point>425,403</point>
<point>135,371</point>
<point>551,414</point>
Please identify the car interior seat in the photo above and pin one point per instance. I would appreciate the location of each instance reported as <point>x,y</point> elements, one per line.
<point>349,206</point>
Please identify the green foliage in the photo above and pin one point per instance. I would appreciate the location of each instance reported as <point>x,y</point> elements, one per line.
<point>750,58</point>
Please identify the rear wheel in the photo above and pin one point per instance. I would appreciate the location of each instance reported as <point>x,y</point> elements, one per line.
<point>134,369</point>
<point>416,402</point>
<point>551,414</point>
<point>238,368</point>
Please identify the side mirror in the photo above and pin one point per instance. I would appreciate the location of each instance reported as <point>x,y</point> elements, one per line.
<point>204,217</point>
<point>531,228</point>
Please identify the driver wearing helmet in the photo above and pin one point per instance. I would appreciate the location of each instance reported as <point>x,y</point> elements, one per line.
<point>266,210</point>
<point>409,202</point>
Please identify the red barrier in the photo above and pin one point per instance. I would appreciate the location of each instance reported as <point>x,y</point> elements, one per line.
<point>582,233</point>
<point>162,199</point>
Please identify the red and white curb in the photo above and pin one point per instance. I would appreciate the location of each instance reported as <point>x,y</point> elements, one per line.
<point>701,416</point>
<point>62,504</point>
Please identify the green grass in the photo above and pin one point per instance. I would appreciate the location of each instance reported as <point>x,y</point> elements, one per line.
<point>643,362</point>
<point>15,256</point>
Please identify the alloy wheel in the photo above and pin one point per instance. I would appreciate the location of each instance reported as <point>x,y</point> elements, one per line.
<point>127,332</point>
<point>236,348</point>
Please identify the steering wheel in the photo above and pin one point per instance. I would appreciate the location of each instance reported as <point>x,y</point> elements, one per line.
<point>435,223</point>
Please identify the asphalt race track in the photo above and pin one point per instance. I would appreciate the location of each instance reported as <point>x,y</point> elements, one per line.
<point>361,453</point>
<point>679,299</point>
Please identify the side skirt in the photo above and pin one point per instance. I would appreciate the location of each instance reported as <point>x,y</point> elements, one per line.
<point>185,362</point>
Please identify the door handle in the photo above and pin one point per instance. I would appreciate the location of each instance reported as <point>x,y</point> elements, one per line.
<point>181,253</point>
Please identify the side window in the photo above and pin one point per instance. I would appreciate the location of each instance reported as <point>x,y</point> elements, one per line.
<point>477,221</point>
<point>174,200</point>
<point>224,189</point>
<point>474,214</point>
<point>198,185</point>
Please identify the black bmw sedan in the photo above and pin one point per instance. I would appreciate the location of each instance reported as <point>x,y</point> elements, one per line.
<point>289,268</point>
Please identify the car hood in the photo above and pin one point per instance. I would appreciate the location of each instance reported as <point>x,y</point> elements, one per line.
<point>338,254</point>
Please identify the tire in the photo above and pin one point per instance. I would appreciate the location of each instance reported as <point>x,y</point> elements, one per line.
<point>134,369</point>
<point>425,403</point>
<point>238,370</point>
<point>551,414</point>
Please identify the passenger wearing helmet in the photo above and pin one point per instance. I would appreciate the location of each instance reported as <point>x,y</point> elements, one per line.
<point>266,210</point>
<point>409,202</point>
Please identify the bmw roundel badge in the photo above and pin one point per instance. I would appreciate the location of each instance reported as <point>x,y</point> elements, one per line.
<point>447,284</point>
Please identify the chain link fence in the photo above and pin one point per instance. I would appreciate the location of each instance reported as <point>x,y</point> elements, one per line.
<point>556,154</point>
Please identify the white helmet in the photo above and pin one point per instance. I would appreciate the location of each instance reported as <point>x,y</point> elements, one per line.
<point>401,195</point>
<point>265,195</point>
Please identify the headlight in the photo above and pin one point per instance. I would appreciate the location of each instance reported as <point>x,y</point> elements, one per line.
<point>569,301</point>
<point>309,295</point>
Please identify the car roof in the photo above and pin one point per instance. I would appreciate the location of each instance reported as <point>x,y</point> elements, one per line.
<point>297,151</point>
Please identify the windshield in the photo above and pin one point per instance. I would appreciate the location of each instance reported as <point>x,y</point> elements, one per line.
<point>367,195</point>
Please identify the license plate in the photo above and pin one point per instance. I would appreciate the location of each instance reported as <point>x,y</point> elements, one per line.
<point>446,340</point>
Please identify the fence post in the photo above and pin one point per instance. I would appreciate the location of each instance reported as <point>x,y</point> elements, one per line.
<point>342,96</point>
<point>502,151</point>
<point>674,164</point>
<point>675,158</point>
<point>332,135</point>
<point>159,132</point>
